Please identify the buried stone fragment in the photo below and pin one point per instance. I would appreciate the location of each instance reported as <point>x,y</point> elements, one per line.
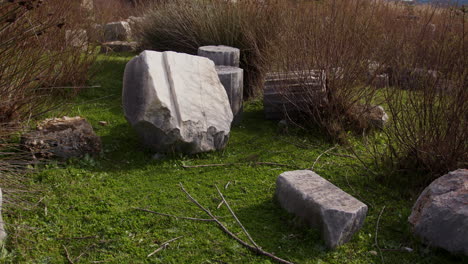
<point>63,137</point>
<point>321,204</point>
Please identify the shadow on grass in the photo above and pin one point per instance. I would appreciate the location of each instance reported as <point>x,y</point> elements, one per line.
<point>281,233</point>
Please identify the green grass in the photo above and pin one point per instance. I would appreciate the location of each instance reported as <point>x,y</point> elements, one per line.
<point>96,196</point>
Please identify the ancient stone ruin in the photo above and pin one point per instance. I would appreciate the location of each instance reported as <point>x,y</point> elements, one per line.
<point>440,215</point>
<point>321,204</point>
<point>176,103</point>
<point>118,38</point>
<point>63,137</point>
<point>286,92</point>
<point>231,76</point>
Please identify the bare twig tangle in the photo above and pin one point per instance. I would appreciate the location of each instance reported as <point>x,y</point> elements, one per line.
<point>163,246</point>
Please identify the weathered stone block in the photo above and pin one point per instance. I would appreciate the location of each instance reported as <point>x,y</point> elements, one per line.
<point>285,93</point>
<point>321,204</point>
<point>63,137</point>
<point>232,79</point>
<point>176,102</point>
<point>440,215</point>
<point>117,31</point>
<point>221,55</point>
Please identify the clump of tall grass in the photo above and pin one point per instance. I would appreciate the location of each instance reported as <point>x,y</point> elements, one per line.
<point>251,26</point>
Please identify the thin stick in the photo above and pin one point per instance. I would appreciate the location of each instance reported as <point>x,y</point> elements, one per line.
<point>225,230</point>
<point>179,217</point>
<point>377,232</point>
<point>77,238</point>
<point>238,163</point>
<point>86,251</point>
<point>237,219</point>
<point>163,246</point>
<point>67,255</point>
<point>319,156</point>
<point>220,204</point>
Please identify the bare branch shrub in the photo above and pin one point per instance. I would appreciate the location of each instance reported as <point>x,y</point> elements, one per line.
<point>336,38</point>
<point>422,52</point>
<point>106,11</point>
<point>428,105</point>
<point>43,50</point>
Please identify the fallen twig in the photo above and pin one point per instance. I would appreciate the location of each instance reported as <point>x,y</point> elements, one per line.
<point>169,215</point>
<point>256,249</point>
<point>238,163</point>
<point>237,219</point>
<point>163,246</point>
<point>377,232</point>
<point>67,255</point>
<point>86,251</point>
<point>77,238</point>
<point>319,156</point>
<point>225,230</point>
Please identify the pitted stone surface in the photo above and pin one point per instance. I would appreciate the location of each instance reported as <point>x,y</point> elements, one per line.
<point>440,215</point>
<point>321,204</point>
<point>176,102</point>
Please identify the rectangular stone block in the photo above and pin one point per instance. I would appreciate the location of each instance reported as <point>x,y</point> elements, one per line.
<point>285,93</point>
<point>321,204</point>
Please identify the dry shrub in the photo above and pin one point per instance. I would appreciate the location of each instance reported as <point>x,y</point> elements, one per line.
<point>428,134</point>
<point>422,49</point>
<point>335,37</point>
<point>40,66</point>
<point>251,26</point>
<point>37,57</point>
<point>106,11</point>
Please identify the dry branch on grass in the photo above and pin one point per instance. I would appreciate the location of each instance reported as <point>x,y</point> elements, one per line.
<point>164,246</point>
<point>238,163</point>
<point>254,248</point>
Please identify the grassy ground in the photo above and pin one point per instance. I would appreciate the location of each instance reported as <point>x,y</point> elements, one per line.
<point>86,207</point>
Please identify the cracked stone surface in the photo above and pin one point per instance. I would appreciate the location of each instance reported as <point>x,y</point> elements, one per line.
<point>176,102</point>
<point>321,204</point>
<point>440,215</point>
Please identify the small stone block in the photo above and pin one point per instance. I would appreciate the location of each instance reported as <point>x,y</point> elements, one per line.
<point>232,79</point>
<point>321,204</point>
<point>221,55</point>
